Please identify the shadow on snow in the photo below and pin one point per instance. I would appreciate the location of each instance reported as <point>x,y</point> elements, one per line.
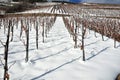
<point>97,53</point>
<point>51,55</point>
<point>92,43</point>
<point>54,69</point>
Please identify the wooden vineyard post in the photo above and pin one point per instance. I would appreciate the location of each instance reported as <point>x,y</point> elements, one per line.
<point>95,23</point>
<point>75,32</point>
<point>12,30</point>
<point>46,26</point>
<point>95,34</point>
<point>27,43</point>
<point>36,34</point>
<point>6,76</point>
<point>114,43</point>
<point>114,34</point>
<point>83,34</point>
<point>21,28</point>
<point>43,32</point>
<point>82,46</point>
<point>102,33</point>
<point>17,22</point>
<point>4,22</point>
<point>76,36</point>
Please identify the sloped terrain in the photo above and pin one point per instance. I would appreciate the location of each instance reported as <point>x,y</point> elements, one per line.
<point>56,59</point>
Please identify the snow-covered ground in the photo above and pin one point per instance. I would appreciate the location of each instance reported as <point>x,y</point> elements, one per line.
<point>57,59</point>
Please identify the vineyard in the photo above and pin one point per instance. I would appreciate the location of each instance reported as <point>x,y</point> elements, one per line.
<point>32,29</point>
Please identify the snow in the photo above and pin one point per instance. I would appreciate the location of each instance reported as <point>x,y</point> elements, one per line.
<point>57,59</point>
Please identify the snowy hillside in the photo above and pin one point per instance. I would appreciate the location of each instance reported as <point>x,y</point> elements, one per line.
<point>57,59</point>
<point>104,1</point>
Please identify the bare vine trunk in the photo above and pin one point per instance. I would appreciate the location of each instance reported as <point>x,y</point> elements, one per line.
<point>6,54</point>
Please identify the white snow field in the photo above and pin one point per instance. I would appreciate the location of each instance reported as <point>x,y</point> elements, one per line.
<point>57,59</point>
